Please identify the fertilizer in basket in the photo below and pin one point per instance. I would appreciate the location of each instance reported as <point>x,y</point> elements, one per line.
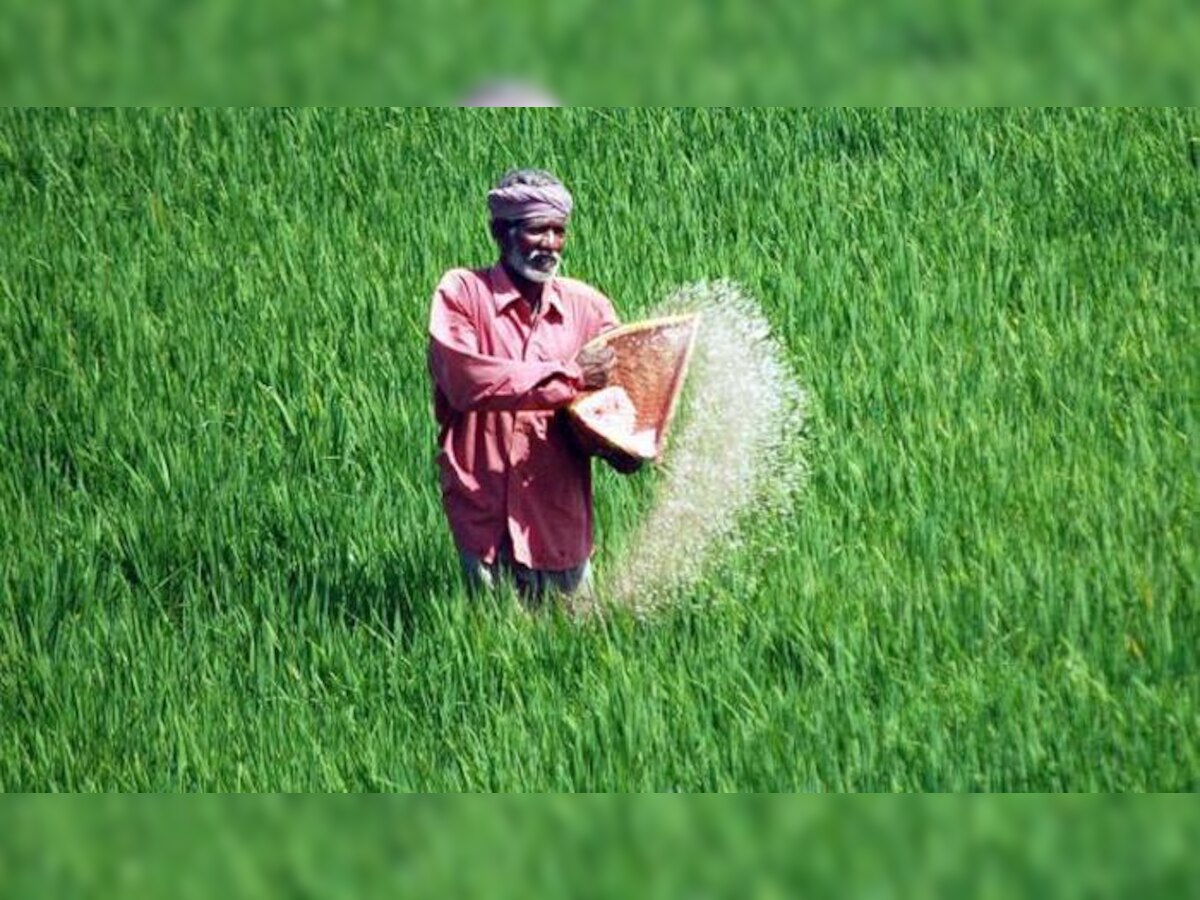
<point>611,412</point>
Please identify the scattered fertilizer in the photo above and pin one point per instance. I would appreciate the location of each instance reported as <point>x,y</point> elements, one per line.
<point>738,445</point>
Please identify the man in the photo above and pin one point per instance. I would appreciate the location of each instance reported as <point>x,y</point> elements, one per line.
<point>505,352</point>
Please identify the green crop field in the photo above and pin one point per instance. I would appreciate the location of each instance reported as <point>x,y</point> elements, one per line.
<point>223,563</point>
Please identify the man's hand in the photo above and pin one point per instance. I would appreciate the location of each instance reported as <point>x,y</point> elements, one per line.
<point>597,365</point>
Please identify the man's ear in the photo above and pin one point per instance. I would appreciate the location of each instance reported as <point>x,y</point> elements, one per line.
<point>499,231</point>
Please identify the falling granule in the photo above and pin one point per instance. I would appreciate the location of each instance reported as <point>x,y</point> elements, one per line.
<point>738,444</point>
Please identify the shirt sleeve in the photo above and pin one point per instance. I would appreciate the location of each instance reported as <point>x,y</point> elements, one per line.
<point>604,317</point>
<point>472,381</point>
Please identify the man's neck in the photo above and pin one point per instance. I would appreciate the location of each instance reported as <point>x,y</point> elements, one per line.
<point>531,291</point>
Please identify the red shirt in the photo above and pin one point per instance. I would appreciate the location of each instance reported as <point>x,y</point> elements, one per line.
<point>508,466</point>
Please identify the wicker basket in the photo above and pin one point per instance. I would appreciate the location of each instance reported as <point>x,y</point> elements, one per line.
<point>628,420</point>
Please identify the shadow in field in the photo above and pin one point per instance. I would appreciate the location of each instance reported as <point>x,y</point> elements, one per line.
<point>394,593</point>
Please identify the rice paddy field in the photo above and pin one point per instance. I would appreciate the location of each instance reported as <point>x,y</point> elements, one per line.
<point>966,560</point>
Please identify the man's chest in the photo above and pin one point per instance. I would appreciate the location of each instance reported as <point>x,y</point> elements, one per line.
<point>521,335</point>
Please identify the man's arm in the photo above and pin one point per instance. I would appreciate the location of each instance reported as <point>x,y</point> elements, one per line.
<point>604,317</point>
<point>473,381</point>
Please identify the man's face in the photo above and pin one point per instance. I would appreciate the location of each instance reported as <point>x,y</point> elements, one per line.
<point>533,248</point>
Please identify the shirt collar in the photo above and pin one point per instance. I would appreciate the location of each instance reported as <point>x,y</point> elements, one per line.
<point>505,294</point>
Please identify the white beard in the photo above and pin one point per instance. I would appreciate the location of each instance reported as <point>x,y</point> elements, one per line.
<point>523,265</point>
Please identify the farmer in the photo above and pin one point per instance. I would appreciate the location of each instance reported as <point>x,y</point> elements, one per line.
<point>505,353</point>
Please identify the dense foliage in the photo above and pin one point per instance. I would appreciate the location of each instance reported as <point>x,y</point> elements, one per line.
<point>222,558</point>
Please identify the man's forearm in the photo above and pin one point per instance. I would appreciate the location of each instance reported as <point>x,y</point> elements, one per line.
<point>472,382</point>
